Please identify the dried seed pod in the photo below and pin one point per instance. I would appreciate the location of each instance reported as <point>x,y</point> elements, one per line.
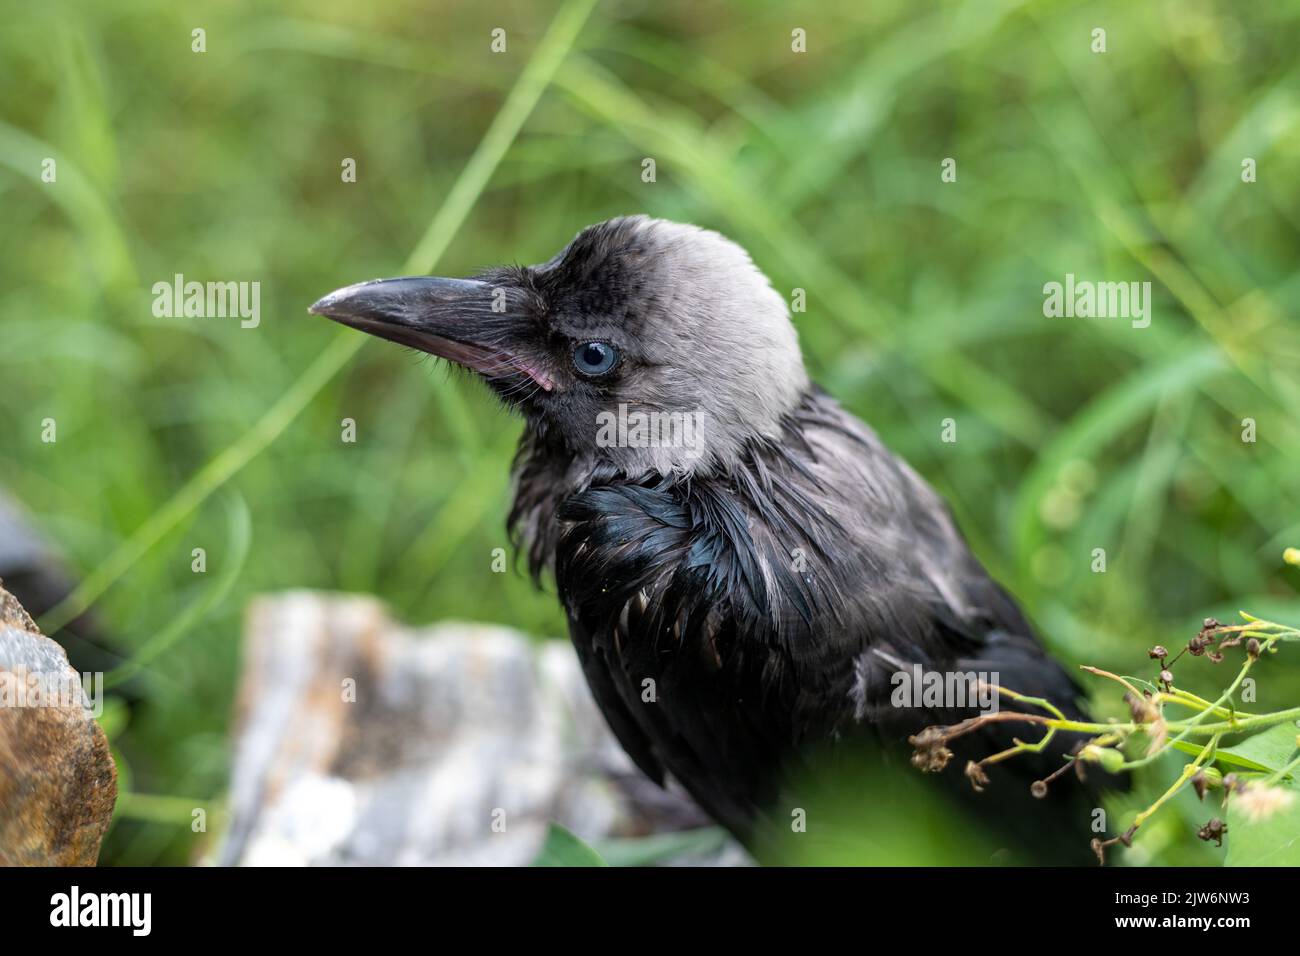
<point>1199,784</point>
<point>1099,848</point>
<point>1213,829</point>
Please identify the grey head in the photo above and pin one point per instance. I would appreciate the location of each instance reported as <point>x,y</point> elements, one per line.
<point>645,346</point>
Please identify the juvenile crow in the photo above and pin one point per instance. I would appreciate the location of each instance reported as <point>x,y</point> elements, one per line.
<point>746,569</point>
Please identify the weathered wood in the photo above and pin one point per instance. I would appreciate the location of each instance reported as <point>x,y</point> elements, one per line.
<point>58,783</point>
<point>360,741</point>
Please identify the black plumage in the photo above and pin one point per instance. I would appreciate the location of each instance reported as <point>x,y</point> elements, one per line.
<point>687,582</point>
<point>749,604</point>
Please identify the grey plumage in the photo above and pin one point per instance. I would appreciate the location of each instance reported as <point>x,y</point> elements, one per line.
<point>767,578</point>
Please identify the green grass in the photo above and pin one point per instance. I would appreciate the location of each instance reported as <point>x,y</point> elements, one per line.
<point>924,298</point>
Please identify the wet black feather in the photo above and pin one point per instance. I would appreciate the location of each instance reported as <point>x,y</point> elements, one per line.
<point>716,660</point>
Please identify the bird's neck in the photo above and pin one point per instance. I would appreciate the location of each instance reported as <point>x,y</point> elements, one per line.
<point>546,472</point>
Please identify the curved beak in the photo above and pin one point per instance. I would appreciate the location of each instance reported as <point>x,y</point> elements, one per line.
<point>463,320</point>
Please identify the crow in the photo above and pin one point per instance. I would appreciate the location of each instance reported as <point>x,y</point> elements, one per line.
<point>749,575</point>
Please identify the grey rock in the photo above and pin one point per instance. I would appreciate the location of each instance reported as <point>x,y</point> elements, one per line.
<point>360,741</point>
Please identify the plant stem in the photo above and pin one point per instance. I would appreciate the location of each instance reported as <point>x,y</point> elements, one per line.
<point>1189,771</point>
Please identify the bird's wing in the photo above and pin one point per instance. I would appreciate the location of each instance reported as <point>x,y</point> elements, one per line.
<point>894,562</point>
<point>599,669</point>
<point>769,610</point>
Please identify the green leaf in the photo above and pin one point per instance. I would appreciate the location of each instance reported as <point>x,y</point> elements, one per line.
<point>1271,749</point>
<point>1221,756</point>
<point>644,851</point>
<point>562,848</point>
<point>1273,841</point>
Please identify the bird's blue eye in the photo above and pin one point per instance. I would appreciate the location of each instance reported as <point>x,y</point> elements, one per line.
<point>595,358</point>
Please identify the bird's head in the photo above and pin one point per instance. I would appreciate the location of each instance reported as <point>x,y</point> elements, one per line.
<point>648,345</point>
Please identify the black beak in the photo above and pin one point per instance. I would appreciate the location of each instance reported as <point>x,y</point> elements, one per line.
<point>454,319</point>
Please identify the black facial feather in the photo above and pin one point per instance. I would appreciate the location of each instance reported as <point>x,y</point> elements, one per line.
<point>601,275</point>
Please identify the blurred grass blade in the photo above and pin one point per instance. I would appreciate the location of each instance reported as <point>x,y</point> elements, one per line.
<point>562,848</point>
<point>238,543</point>
<point>534,79</point>
<point>662,847</point>
<point>469,185</point>
<point>77,196</point>
<point>207,480</point>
